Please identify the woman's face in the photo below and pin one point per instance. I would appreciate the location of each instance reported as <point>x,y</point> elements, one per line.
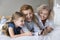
<point>29,14</point>
<point>44,14</point>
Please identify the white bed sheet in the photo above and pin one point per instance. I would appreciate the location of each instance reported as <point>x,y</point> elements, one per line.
<point>54,35</point>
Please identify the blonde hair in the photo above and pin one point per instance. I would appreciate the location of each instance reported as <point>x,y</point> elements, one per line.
<point>16,15</point>
<point>44,6</point>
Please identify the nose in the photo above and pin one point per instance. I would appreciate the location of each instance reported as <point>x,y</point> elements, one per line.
<point>28,16</point>
<point>23,22</point>
<point>42,15</point>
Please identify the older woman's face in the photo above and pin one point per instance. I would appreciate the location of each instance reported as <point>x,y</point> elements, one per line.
<point>44,14</point>
<point>29,14</point>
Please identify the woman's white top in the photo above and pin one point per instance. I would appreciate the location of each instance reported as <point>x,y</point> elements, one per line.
<point>33,27</point>
<point>48,23</point>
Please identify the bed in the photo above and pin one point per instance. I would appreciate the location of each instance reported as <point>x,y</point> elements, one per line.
<point>54,35</point>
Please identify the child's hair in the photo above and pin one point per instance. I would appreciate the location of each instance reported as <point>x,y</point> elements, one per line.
<point>45,7</point>
<point>5,29</point>
<point>16,15</point>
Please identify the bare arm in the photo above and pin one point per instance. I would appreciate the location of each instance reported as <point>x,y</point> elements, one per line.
<point>19,35</point>
<point>49,29</point>
<point>46,30</point>
<point>21,31</point>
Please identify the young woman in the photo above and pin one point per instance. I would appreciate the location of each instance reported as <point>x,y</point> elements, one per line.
<point>16,24</point>
<point>30,20</point>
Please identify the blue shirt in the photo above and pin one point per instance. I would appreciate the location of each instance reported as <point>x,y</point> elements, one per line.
<point>15,29</point>
<point>32,26</point>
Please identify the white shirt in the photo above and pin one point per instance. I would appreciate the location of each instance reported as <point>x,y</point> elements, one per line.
<point>48,23</point>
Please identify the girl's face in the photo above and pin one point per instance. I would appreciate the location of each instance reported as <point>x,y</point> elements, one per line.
<point>19,21</point>
<point>44,14</point>
<point>29,14</point>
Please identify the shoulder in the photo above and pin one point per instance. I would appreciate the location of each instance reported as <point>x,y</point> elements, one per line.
<point>11,24</point>
<point>50,23</point>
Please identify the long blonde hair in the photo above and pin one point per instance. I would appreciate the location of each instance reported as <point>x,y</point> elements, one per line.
<point>51,12</point>
<point>16,15</point>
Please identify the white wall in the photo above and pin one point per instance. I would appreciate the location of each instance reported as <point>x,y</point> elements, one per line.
<point>7,7</point>
<point>57,12</point>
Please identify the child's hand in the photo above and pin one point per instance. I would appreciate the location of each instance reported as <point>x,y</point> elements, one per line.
<point>44,32</point>
<point>28,34</point>
<point>49,29</point>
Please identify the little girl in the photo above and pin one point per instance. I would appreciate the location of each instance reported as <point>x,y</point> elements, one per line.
<point>43,19</point>
<point>16,24</point>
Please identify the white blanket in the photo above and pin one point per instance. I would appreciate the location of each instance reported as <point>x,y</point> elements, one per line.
<point>54,35</point>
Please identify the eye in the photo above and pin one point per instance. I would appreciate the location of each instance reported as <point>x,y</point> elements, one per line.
<point>30,13</point>
<point>22,20</point>
<point>26,14</point>
<point>41,13</point>
<point>46,14</point>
